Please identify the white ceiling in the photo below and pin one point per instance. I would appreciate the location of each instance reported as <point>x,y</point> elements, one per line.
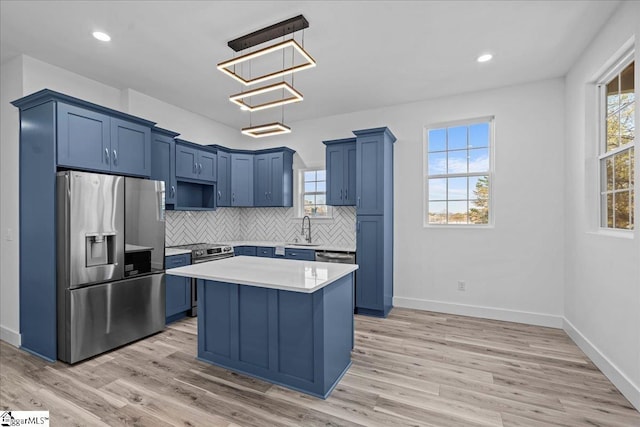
<point>369,53</point>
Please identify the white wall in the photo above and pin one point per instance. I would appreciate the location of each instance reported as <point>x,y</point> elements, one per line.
<point>25,75</point>
<point>10,89</point>
<point>602,283</point>
<point>515,270</point>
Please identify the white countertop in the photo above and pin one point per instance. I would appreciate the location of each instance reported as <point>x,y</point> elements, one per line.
<point>321,246</point>
<point>272,273</point>
<point>175,251</point>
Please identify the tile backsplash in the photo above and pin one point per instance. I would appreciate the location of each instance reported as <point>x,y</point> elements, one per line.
<point>257,224</point>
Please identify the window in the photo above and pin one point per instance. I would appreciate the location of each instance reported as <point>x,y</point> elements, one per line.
<point>313,194</point>
<point>617,124</point>
<point>458,173</point>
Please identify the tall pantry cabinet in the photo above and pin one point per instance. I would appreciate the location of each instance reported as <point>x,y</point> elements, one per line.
<point>374,221</point>
<point>360,173</point>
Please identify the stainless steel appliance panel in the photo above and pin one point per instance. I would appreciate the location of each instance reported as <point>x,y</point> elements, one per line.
<point>144,226</point>
<point>90,228</point>
<point>106,316</point>
<point>335,256</point>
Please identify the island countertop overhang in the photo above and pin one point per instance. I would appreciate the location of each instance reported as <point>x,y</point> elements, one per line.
<point>282,274</point>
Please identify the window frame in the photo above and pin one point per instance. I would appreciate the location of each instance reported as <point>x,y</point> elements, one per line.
<point>612,72</point>
<point>490,172</point>
<point>300,193</point>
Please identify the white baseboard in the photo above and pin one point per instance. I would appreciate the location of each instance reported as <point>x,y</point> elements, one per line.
<point>630,390</point>
<point>10,336</point>
<point>538,319</point>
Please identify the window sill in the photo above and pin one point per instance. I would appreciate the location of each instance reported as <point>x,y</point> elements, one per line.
<point>460,226</point>
<point>620,234</point>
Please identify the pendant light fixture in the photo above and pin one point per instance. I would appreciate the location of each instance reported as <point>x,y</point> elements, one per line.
<point>235,68</point>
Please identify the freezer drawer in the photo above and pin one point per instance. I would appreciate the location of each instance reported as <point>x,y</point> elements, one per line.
<point>98,318</point>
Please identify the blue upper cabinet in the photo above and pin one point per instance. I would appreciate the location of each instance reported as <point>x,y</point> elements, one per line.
<point>341,172</point>
<point>241,179</point>
<point>186,162</point>
<point>208,166</point>
<point>92,140</point>
<point>224,178</point>
<point>130,148</point>
<point>273,177</point>
<point>195,163</point>
<point>374,164</point>
<point>163,161</point>
<point>83,138</point>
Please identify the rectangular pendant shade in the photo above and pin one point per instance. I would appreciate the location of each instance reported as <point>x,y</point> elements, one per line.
<point>310,62</point>
<point>239,98</point>
<point>269,129</point>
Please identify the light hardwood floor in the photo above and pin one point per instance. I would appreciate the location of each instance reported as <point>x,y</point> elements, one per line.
<point>414,368</point>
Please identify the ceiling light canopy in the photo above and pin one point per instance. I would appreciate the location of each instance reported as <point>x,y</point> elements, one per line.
<point>278,65</point>
<point>485,57</point>
<point>103,37</point>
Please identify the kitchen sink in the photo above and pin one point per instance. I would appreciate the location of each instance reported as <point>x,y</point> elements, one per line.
<point>301,244</point>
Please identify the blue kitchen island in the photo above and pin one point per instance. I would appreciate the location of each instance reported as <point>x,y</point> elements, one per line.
<point>285,321</point>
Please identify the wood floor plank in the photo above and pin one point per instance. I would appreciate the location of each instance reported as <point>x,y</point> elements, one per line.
<point>414,368</point>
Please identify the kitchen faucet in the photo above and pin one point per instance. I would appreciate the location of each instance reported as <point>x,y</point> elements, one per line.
<point>308,238</point>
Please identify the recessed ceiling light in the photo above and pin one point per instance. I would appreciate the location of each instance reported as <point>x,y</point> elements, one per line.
<point>103,37</point>
<point>484,57</point>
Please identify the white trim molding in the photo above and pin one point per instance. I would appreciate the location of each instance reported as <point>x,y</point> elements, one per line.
<point>630,390</point>
<point>10,336</point>
<point>530,318</point>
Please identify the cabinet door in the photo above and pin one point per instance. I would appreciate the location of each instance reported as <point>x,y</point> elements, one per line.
<point>163,164</point>
<point>224,179</point>
<point>350,175</point>
<point>186,159</point>
<point>207,166</point>
<point>369,175</point>
<point>335,175</point>
<point>265,251</point>
<point>178,289</point>
<point>276,179</point>
<point>262,180</point>
<point>300,254</point>
<point>241,179</point>
<point>369,254</point>
<point>83,138</point>
<point>130,148</point>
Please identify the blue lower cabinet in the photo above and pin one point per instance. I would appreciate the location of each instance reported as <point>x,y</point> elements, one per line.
<point>178,289</point>
<point>298,340</point>
<point>301,254</point>
<point>245,250</point>
<point>265,251</point>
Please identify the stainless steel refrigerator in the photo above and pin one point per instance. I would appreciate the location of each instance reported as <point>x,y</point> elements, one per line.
<point>110,257</point>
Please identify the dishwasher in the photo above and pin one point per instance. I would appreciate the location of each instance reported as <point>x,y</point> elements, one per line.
<point>336,256</point>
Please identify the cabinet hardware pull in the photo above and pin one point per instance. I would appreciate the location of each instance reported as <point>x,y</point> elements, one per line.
<point>358,226</point>
<point>106,155</point>
<point>346,194</point>
<point>115,157</point>
<point>173,191</point>
<point>358,201</point>
<point>341,194</point>
<point>219,195</point>
<point>195,168</point>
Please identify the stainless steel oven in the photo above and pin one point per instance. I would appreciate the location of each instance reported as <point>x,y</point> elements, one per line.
<point>204,252</point>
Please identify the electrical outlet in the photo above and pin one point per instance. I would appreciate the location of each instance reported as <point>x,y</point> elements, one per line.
<point>462,285</point>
